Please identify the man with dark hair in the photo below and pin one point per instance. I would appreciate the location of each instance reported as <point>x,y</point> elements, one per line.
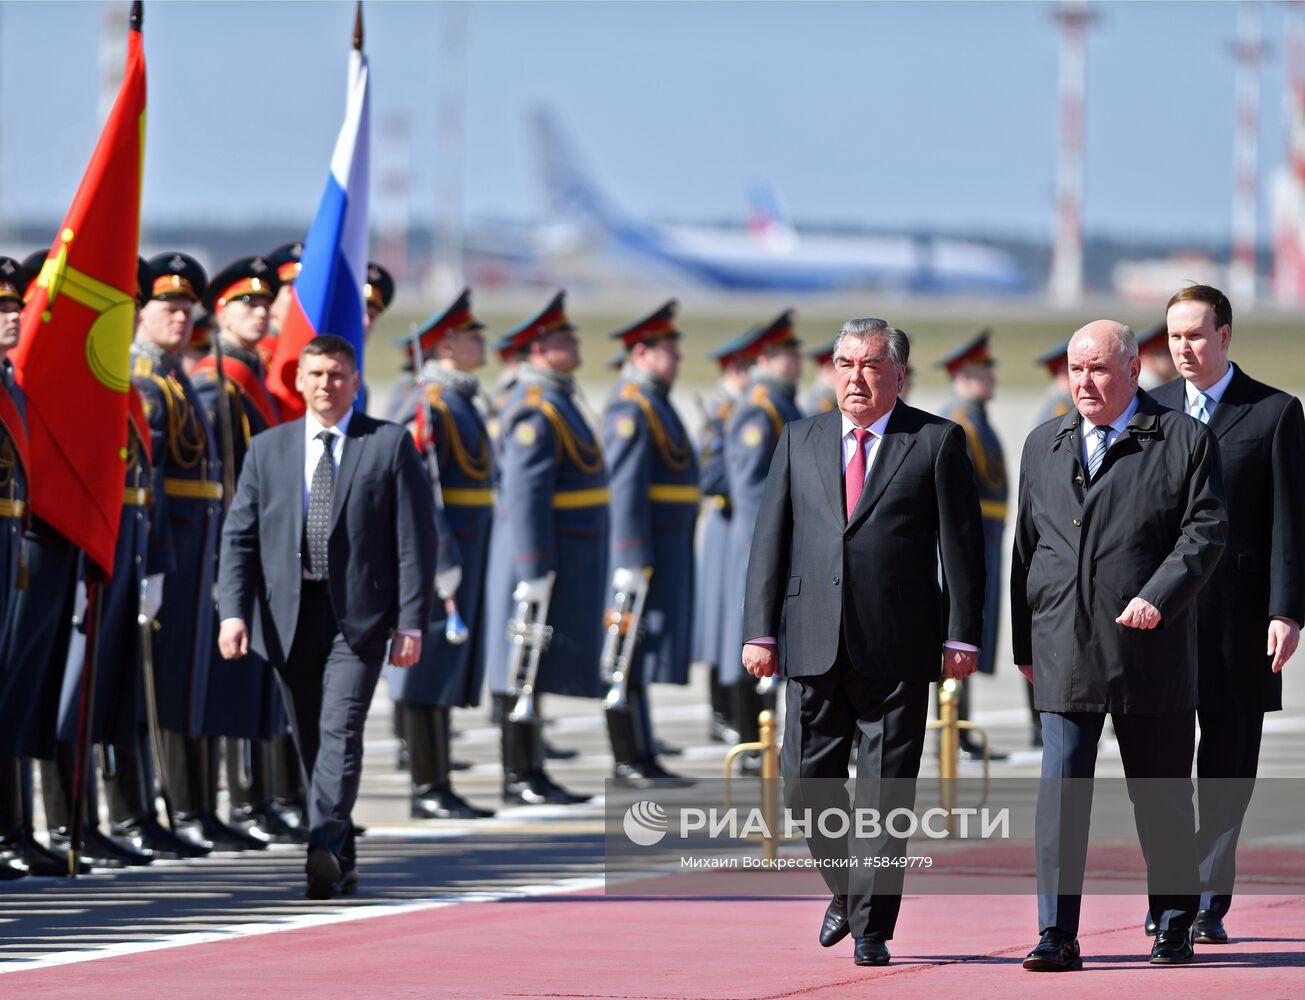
<point>1251,611</point>
<point>328,555</point>
<point>865,509</point>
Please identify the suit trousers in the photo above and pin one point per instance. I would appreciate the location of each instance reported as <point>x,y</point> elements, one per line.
<point>1227,759</point>
<point>1153,746</point>
<point>328,689</point>
<point>884,720</point>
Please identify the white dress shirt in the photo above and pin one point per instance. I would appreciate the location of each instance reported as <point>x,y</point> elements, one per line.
<point>1116,428</point>
<point>1212,394</point>
<point>871,450</point>
<point>313,447</point>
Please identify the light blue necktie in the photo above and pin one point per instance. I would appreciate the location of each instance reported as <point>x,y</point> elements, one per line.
<point>1199,410</point>
<point>1098,452</point>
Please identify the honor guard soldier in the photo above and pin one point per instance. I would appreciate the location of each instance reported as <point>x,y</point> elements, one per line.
<point>769,402</point>
<point>655,493</point>
<point>243,705</point>
<point>548,557</point>
<point>1157,363</point>
<point>451,436</point>
<point>20,852</point>
<point>121,720</point>
<point>378,293</point>
<point>821,397</point>
<point>713,555</point>
<point>970,369</point>
<point>187,472</point>
<point>1057,402</point>
<point>35,650</point>
<point>286,260</point>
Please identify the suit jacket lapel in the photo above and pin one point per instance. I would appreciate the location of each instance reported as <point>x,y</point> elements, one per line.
<point>828,450</point>
<point>1231,409</point>
<point>354,442</point>
<point>888,458</point>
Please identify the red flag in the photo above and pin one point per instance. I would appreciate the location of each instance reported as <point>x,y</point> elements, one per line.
<point>74,353</point>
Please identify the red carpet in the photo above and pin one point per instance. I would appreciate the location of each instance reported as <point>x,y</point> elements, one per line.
<point>588,945</point>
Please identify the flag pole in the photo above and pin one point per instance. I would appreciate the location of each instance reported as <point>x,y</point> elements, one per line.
<point>137,18</point>
<point>357,28</point>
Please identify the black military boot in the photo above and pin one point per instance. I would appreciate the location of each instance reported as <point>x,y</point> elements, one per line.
<point>12,864</point>
<point>429,740</point>
<point>748,705</point>
<point>722,727</point>
<point>249,784</point>
<point>524,780</point>
<point>56,791</point>
<point>289,797</point>
<point>133,818</point>
<point>649,766</point>
<point>398,725</point>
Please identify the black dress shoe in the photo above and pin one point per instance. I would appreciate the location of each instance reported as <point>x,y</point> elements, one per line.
<point>189,830</point>
<point>149,835</point>
<point>870,951</point>
<point>1149,925</point>
<point>720,731</point>
<point>644,774</point>
<point>536,789</point>
<point>1208,929</point>
<point>835,926</point>
<point>444,803</point>
<point>12,865</point>
<point>42,861</point>
<point>1171,948</point>
<point>263,824</point>
<point>1056,952</point>
<point>99,851</point>
<point>348,884</point>
<point>323,871</point>
<point>225,838</point>
<point>974,751</point>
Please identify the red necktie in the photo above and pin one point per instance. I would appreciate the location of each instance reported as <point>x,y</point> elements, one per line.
<point>854,478</point>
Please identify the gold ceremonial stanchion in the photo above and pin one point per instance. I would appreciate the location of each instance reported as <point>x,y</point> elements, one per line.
<point>949,749</point>
<point>770,807</point>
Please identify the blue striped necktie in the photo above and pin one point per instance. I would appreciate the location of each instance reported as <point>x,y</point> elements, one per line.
<point>1199,409</point>
<point>1098,451</point>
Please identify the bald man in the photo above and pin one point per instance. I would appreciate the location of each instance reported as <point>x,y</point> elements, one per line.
<point>1121,522</point>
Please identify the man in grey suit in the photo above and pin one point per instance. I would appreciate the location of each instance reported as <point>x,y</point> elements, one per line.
<point>1121,522</point>
<point>1251,611</point>
<point>328,554</point>
<point>862,508</point>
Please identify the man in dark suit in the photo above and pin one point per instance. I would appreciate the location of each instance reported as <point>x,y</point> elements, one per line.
<point>1121,522</point>
<point>1259,586</point>
<point>862,507</point>
<point>328,554</point>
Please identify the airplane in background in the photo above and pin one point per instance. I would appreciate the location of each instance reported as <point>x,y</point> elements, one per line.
<point>770,255</point>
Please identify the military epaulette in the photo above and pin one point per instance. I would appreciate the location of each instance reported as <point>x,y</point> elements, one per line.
<point>534,395</point>
<point>631,391</point>
<point>759,394</point>
<point>142,365</point>
<point>723,410</point>
<point>433,394</point>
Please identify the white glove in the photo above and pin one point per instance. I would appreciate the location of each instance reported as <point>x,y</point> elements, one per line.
<point>535,590</point>
<point>79,604</point>
<point>151,595</point>
<point>447,582</point>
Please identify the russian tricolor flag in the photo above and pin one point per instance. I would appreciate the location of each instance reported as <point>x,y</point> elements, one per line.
<point>328,293</point>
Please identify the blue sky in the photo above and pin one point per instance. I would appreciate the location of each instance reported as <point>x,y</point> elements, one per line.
<point>882,114</point>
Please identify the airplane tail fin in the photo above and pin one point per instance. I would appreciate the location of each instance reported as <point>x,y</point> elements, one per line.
<point>768,218</point>
<point>571,194</point>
